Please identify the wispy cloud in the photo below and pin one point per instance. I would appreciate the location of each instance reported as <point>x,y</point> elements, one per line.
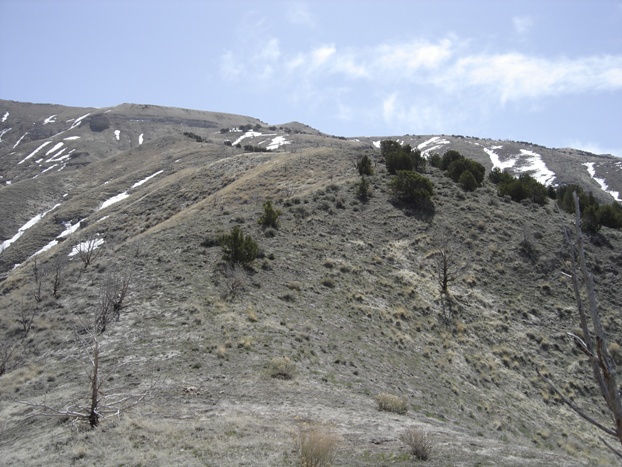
<point>420,80</point>
<point>298,13</point>
<point>522,25</point>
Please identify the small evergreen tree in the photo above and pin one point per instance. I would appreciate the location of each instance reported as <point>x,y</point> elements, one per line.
<point>467,181</point>
<point>363,189</point>
<point>414,189</point>
<point>270,216</point>
<point>364,166</point>
<point>238,248</point>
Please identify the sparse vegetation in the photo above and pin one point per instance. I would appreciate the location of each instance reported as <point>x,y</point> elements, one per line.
<point>282,368</point>
<point>392,403</point>
<point>419,443</point>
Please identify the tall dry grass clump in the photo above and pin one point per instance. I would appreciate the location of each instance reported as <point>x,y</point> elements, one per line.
<point>317,447</point>
<point>419,443</point>
<point>392,403</point>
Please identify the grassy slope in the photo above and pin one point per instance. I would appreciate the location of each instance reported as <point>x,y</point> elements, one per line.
<point>350,297</point>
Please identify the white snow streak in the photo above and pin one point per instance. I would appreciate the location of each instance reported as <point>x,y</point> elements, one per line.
<point>71,138</point>
<point>137,184</point>
<point>6,115</point>
<point>114,199</point>
<point>3,132</point>
<point>79,120</point>
<point>140,139</point>
<point>25,227</point>
<point>88,245</point>
<point>276,142</point>
<point>601,181</point>
<point>34,152</point>
<point>248,134</point>
<point>19,140</point>
<point>56,147</point>
<point>57,157</point>
<point>51,119</point>
<point>525,162</point>
<point>117,133</point>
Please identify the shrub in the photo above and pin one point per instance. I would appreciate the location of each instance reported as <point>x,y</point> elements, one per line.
<point>523,187</point>
<point>363,189</point>
<point>398,157</point>
<point>238,248</point>
<point>99,123</point>
<point>317,447</point>
<point>282,368</point>
<point>418,442</point>
<point>364,166</point>
<point>467,181</point>
<point>270,216</point>
<point>435,160</point>
<point>593,214</point>
<point>449,157</point>
<point>412,188</point>
<point>392,403</point>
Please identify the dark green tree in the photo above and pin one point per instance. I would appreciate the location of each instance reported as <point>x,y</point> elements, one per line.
<point>467,181</point>
<point>364,166</point>
<point>270,216</point>
<point>363,189</point>
<point>412,188</point>
<point>238,248</point>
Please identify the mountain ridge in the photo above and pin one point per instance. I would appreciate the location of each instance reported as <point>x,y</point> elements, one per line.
<point>345,289</point>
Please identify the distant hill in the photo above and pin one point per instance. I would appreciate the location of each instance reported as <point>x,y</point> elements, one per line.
<point>341,305</point>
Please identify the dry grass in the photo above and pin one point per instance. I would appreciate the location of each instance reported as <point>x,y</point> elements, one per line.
<point>419,443</point>
<point>282,368</point>
<point>392,403</point>
<point>317,447</point>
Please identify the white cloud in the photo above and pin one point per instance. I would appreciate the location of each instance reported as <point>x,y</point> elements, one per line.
<point>322,54</point>
<point>230,67</point>
<point>412,56</point>
<point>522,25</point>
<point>298,14</point>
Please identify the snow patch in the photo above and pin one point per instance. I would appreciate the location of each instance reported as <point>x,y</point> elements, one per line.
<point>19,140</point>
<point>601,181</point>
<point>137,184</point>
<point>23,228</point>
<point>34,152</point>
<point>117,133</point>
<point>86,246</point>
<point>51,119</point>
<point>69,229</point>
<point>248,134</point>
<point>6,115</point>
<point>114,199</point>
<point>78,120</point>
<point>526,162</point>
<point>71,138</point>
<point>58,157</point>
<point>140,139</point>
<point>56,147</point>
<point>276,142</point>
<point>436,141</point>
<point>3,132</point>
<point>376,144</point>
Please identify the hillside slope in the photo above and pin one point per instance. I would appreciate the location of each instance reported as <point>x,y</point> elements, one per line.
<point>345,290</point>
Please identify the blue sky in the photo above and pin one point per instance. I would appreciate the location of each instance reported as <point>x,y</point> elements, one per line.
<point>548,72</point>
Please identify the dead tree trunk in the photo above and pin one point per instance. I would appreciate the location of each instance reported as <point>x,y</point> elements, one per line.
<point>594,342</point>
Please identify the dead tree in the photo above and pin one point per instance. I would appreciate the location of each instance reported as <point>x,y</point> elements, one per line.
<point>447,270</point>
<point>38,275</point>
<point>99,405</point>
<point>235,280</point>
<point>58,270</point>
<point>88,250</point>
<point>113,292</point>
<point>26,317</point>
<point>593,343</point>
